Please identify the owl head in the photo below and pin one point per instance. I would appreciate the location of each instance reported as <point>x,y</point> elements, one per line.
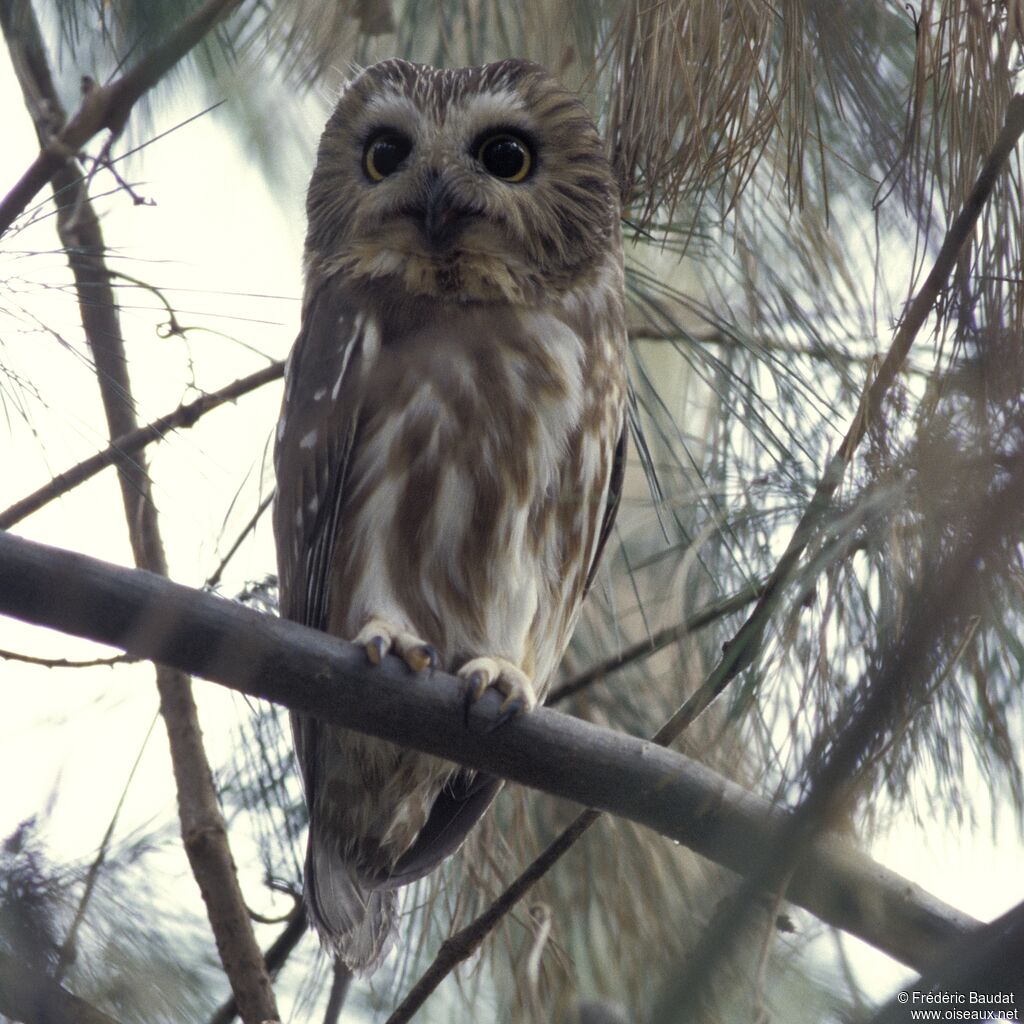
<point>479,184</point>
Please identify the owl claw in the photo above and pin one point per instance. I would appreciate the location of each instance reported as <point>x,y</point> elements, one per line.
<point>422,656</point>
<point>380,637</point>
<point>376,648</point>
<point>509,680</point>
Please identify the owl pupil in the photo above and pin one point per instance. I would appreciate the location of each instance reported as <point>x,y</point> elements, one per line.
<point>385,154</point>
<point>506,157</point>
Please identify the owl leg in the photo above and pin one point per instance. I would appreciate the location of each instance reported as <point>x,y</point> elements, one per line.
<point>509,680</point>
<point>380,637</point>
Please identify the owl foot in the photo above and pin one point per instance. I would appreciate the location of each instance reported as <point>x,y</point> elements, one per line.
<point>509,680</point>
<point>379,637</point>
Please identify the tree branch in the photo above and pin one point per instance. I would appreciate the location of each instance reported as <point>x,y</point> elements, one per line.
<point>186,415</point>
<point>274,958</point>
<point>104,106</point>
<point>315,674</point>
<point>990,964</point>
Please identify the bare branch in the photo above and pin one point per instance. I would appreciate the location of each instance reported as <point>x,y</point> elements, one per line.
<point>340,983</point>
<point>29,659</point>
<point>319,675</point>
<point>658,641</point>
<point>275,957</point>
<point>465,942</point>
<point>103,106</point>
<point>129,444</point>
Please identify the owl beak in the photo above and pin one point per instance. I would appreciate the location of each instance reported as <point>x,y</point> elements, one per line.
<point>443,215</point>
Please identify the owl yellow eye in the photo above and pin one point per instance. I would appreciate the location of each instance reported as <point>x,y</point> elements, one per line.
<point>385,153</point>
<point>505,156</point>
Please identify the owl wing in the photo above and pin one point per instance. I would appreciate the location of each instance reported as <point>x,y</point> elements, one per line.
<point>315,438</point>
<point>611,505</point>
<point>457,808</point>
<point>311,459</point>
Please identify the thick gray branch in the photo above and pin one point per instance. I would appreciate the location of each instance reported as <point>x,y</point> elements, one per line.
<point>310,672</point>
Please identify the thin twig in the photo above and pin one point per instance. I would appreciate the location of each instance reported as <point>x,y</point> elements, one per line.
<point>215,576</point>
<point>68,949</point>
<point>129,444</point>
<point>104,106</point>
<point>30,659</point>
<point>742,649</point>
<point>658,641</point>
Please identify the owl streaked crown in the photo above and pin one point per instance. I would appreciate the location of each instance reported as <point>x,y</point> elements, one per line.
<point>468,184</point>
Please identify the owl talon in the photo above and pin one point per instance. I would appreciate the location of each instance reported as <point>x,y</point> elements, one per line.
<point>376,649</point>
<point>478,683</point>
<point>380,637</point>
<point>422,656</point>
<point>509,680</point>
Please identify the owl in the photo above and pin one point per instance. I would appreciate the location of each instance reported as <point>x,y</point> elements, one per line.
<point>450,448</point>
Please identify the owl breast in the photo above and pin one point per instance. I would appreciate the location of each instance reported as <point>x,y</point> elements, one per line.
<point>474,488</point>
<point>474,495</point>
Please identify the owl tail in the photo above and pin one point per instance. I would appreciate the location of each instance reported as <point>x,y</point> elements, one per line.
<point>356,922</point>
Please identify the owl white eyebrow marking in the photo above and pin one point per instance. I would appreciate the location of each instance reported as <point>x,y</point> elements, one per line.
<point>393,108</point>
<point>502,107</point>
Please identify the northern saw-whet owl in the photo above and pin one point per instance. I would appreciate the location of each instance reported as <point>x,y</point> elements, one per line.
<point>450,448</point>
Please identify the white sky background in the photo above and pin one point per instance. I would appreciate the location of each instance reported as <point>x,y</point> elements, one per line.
<point>218,241</point>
